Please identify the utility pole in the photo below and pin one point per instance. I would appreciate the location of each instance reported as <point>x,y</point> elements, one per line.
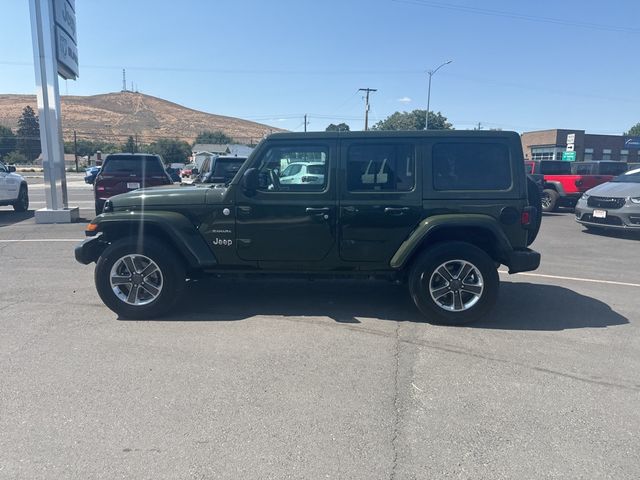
<point>479,125</point>
<point>305,123</point>
<point>366,109</point>
<point>75,149</point>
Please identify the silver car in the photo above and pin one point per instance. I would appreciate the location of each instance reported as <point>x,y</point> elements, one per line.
<point>615,204</point>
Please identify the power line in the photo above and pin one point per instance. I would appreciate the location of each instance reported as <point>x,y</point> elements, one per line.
<point>520,16</point>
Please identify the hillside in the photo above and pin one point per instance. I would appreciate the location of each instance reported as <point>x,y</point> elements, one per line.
<point>112,117</point>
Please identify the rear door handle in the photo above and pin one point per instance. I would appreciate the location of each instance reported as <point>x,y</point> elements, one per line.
<point>316,211</point>
<point>396,210</point>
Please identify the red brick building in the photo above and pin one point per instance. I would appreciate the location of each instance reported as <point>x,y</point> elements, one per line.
<point>549,145</point>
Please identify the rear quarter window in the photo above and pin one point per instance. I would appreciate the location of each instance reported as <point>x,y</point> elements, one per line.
<point>471,166</point>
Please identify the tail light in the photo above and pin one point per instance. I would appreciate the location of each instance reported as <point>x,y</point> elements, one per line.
<point>525,218</point>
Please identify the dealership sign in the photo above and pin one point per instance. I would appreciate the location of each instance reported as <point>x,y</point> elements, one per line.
<point>633,142</point>
<point>66,39</point>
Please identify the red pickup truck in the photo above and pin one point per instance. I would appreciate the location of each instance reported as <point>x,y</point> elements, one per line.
<point>562,188</point>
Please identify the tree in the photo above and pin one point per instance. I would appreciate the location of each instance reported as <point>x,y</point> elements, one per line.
<point>171,150</point>
<point>14,157</point>
<point>7,141</point>
<point>341,127</point>
<point>217,137</point>
<point>130,145</point>
<point>414,120</point>
<point>634,131</point>
<point>90,147</point>
<point>28,142</point>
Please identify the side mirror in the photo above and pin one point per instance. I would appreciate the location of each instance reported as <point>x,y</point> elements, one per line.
<point>250,181</point>
<point>11,168</point>
<point>194,171</point>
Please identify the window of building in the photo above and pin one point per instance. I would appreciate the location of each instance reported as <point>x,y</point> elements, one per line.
<point>380,167</point>
<point>544,153</point>
<point>606,154</point>
<point>588,154</point>
<point>471,166</point>
<point>624,155</point>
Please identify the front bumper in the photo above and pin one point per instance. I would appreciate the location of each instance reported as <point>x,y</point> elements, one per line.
<point>625,218</point>
<point>523,260</point>
<point>89,250</point>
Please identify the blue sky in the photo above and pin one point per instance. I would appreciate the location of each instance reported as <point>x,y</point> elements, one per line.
<point>516,65</point>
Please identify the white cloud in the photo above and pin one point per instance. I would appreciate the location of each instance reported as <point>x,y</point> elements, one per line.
<point>404,100</point>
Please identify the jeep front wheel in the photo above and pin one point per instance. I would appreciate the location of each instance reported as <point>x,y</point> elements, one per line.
<point>139,280</point>
<point>454,283</point>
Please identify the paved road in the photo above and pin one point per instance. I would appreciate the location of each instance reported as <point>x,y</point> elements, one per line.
<point>308,380</point>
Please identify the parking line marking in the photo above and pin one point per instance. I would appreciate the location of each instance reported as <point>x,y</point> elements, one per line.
<point>575,279</point>
<point>41,240</point>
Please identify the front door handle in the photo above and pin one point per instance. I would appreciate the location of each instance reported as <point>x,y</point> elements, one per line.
<point>396,210</point>
<point>316,211</point>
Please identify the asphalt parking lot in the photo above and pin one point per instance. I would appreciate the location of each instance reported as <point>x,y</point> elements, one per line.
<point>297,379</point>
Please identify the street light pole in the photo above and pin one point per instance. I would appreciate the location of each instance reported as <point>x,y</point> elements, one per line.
<point>431,73</point>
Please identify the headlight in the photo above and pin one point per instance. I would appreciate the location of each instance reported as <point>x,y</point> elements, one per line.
<point>635,199</point>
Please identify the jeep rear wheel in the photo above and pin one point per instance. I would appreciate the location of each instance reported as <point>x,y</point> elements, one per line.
<point>22,202</point>
<point>139,281</point>
<point>454,283</point>
<point>549,200</point>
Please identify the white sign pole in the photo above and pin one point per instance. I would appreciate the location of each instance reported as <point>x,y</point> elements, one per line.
<point>44,55</point>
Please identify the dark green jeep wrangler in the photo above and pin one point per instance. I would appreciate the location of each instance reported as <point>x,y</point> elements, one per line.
<point>438,210</point>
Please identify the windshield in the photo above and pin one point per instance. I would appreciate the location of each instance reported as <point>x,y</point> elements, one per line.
<point>224,170</point>
<point>632,176</point>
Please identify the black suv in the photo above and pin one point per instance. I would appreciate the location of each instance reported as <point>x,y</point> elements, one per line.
<point>437,210</point>
<point>219,169</point>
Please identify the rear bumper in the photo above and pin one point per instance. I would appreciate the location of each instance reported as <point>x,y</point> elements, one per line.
<point>523,260</point>
<point>89,250</point>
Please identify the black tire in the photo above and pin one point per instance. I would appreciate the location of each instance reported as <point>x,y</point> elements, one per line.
<point>549,200</point>
<point>423,278</point>
<point>22,203</point>
<point>170,280</point>
<point>535,200</point>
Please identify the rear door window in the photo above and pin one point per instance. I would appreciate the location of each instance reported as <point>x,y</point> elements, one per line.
<point>381,167</point>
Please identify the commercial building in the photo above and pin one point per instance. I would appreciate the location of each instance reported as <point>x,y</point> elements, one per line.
<point>549,145</point>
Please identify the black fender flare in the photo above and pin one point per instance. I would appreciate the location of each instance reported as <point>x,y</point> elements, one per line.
<point>174,226</point>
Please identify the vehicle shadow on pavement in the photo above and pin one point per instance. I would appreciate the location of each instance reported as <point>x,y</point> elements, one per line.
<point>529,306</point>
<point>341,300</point>
<point>610,233</point>
<point>10,217</point>
<point>521,306</point>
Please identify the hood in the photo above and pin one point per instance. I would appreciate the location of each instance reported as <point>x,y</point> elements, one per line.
<point>616,189</point>
<point>169,195</point>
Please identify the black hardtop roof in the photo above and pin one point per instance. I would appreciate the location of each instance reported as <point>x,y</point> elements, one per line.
<point>371,134</point>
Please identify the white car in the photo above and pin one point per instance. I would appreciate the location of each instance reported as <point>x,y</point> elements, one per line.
<point>302,173</point>
<point>13,189</point>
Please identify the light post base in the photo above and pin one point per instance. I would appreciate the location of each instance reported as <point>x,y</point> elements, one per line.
<point>63,215</point>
